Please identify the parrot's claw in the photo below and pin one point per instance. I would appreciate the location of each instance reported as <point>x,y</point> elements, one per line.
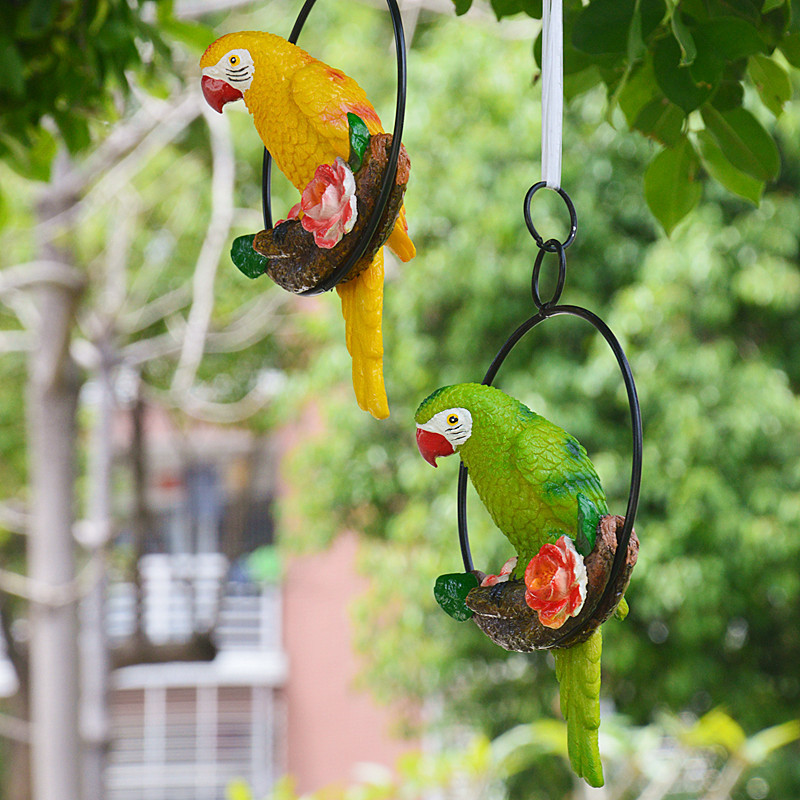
<point>501,612</point>
<point>293,260</point>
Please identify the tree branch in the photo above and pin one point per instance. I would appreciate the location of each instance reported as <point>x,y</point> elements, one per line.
<point>47,594</point>
<point>14,342</point>
<point>43,271</point>
<point>14,517</point>
<point>108,168</point>
<point>207,262</point>
<point>147,315</point>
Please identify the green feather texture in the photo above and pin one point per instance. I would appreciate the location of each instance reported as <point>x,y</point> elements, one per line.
<point>578,673</point>
<point>528,472</point>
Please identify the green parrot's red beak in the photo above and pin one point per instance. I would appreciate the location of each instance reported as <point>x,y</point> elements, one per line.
<point>432,445</point>
<point>217,92</point>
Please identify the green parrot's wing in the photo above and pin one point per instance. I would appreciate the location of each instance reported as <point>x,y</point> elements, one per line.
<point>324,96</point>
<point>578,673</point>
<point>557,465</point>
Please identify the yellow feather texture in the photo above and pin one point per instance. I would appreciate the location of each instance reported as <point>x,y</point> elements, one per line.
<point>578,673</point>
<point>362,303</point>
<point>299,106</point>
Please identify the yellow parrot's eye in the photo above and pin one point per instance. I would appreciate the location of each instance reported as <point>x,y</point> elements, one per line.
<point>233,60</point>
<point>452,419</point>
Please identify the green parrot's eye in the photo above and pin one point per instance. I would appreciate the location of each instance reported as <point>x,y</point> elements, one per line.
<point>452,419</point>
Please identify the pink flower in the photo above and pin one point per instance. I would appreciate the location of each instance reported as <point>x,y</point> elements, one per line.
<point>329,203</point>
<point>505,573</point>
<point>556,583</point>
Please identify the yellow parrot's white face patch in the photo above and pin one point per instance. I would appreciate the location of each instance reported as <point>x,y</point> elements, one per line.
<point>455,424</point>
<point>236,67</point>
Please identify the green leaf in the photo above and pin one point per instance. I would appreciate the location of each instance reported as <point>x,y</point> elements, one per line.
<point>42,13</point>
<point>744,141</point>
<point>684,39</point>
<point>715,729</point>
<point>247,260</point>
<point>676,81</point>
<point>578,83</point>
<point>194,35</point>
<point>533,8</point>
<point>790,47</point>
<point>462,6</point>
<point>661,120</point>
<point>12,67</point>
<point>761,744</point>
<point>652,13</point>
<point>670,187</point>
<point>636,45</point>
<point>722,171</point>
<point>238,790</point>
<point>729,94</point>
<point>639,90</point>
<point>728,38</point>
<point>74,129</point>
<point>602,27</point>
<point>588,519</point>
<point>772,82</point>
<point>31,158</point>
<point>771,5</point>
<point>507,8</point>
<point>359,140</point>
<point>451,593</point>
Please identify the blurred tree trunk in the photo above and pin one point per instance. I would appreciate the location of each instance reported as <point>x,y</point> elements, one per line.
<point>16,754</point>
<point>52,400</point>
<point>94,648</point>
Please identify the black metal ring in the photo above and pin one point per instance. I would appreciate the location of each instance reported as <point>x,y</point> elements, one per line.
<point>623,537</point>
<point>573,218</point>
<point>344,268</point>
<point>557,247</point>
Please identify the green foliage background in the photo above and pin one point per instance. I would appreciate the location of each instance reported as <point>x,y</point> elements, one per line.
<point>708,319</point>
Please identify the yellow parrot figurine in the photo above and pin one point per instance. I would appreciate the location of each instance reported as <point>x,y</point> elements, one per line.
<point>300,105</point>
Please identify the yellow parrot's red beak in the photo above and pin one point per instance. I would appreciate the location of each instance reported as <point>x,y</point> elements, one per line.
<point>217,92</point>
<point>432,445</point>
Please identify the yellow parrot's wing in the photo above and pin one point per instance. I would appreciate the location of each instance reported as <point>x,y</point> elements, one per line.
<point>324,95</point>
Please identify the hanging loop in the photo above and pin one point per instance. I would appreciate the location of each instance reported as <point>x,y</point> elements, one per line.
<point>343,269</point>
<point>550,244</point>
<point>557,248</point>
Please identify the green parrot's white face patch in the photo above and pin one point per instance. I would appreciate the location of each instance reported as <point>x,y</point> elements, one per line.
<point>236,67</point>
<point>455,424</point>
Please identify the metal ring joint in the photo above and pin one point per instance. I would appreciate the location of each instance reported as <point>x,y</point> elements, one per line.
<point>558,248</point>
<point>573,218</point>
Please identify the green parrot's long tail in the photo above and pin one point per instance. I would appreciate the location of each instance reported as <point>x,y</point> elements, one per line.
<point>578,673</point>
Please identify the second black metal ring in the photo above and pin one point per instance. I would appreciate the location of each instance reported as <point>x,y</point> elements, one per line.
<point>623,536</point>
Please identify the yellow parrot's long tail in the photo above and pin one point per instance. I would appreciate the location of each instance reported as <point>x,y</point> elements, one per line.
<point>578,673</point>
<point>362,307</point>
<point>399,241</point>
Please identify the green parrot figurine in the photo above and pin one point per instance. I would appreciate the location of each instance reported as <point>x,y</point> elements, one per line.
<point>539,486</point>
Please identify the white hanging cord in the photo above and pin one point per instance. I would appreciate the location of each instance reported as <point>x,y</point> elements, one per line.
<point>552,91</point>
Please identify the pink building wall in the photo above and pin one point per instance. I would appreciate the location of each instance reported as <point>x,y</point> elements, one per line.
<point>332,727</point>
